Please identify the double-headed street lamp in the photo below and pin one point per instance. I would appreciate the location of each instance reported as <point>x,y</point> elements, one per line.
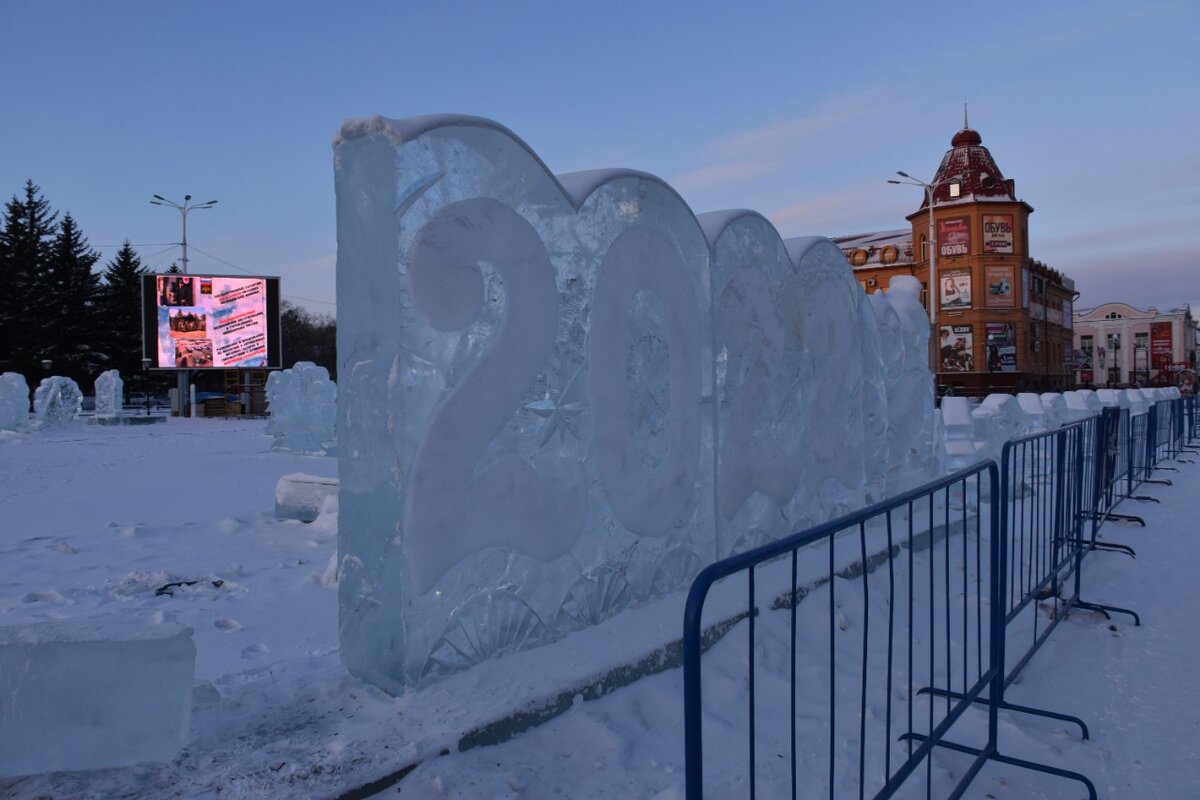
<point>955,190</point>
<point>159,200</point>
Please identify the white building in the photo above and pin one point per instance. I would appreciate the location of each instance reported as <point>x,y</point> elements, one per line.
<point>1120,344</point>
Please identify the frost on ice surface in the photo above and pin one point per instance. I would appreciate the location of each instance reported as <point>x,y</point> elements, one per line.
<point>303,406</point>
<point>110,395</point>
<point>57,403</point>
<point>14,401</point>
<point>566,395</point>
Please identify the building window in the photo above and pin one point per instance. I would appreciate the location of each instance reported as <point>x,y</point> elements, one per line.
<point>1141,341</point>
<point>1114,342</point>
<point>1087,345</point>
<point>1114,376</point>
<point>1113,315</point>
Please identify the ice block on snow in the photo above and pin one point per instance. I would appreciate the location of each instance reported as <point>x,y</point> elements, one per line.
<point>93,693</point>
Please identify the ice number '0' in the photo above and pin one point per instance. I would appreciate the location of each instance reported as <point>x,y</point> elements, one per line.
<point>647,499</point>
<point>452,508</point>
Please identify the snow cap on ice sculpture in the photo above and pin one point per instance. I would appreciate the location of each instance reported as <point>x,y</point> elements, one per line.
<point>530,392</point>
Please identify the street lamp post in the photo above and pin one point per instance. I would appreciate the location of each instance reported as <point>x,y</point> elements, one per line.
<point>159,200</point>
<point>931,245</point>
<point>146,382</point>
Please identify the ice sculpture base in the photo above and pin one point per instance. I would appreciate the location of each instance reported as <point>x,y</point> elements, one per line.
<point>93,693</point>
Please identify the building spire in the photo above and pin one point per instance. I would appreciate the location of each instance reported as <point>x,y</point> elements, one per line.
<point>965,125</point>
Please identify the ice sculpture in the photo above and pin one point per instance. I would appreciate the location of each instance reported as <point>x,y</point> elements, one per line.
<point>760,361</point>
<point>910,422</point>
<point>57,402</point>
<point>110,395</point>
<point>1054,406</point>
<point>14,401</point>
<point>93,693</point>
<point>959,447</point>
<point>1031,404</point>
<point>302,402</point>
<point>562,396</point>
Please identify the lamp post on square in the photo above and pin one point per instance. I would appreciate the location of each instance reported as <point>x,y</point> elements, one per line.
<point>159,200</point>
<point>955,191</point>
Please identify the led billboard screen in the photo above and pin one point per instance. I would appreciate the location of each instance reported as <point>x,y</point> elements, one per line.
<point>210,321</point>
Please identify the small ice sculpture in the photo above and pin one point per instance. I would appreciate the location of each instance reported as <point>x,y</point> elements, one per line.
<point>959,448</point>
<point>56,403</point>
<point>14,401</point>
<point>1055,407</point>
<point>110,395</point>
<point>302,402</point>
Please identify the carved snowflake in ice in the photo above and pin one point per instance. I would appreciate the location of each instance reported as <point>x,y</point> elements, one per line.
<point>558,410</point>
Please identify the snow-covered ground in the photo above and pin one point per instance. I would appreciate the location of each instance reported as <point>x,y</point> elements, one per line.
<point>99,520</point>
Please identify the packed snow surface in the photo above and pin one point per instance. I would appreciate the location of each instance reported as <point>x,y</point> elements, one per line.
<point>174,523</point>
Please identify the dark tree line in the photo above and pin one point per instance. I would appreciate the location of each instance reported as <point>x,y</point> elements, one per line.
<point>55,305</point>
<point>308,337</point>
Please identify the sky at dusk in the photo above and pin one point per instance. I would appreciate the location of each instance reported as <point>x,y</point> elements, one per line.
<point>801,111</point>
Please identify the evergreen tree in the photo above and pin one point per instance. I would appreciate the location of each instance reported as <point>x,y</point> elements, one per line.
<point>119,303</point>
<point>66,308</point>
<point>26,241</point>
<point>308,337</point>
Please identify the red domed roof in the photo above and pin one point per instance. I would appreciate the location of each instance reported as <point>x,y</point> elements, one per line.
<point>969,165</point>
<point>966,137</point>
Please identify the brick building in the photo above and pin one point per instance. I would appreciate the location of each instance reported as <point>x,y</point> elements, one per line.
<point>1004,320</point>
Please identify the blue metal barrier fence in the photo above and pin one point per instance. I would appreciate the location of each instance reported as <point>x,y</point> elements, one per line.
<point>933,551</point>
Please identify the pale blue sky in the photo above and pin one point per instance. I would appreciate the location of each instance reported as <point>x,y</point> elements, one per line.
<point>798,110</point>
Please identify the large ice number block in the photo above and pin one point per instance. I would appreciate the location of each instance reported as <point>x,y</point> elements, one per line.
<point>563,395</point>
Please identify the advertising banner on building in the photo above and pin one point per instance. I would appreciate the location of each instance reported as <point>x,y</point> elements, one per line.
<point>957,351</point>
<point>1001,347</point>
<point>954,236</point>
<point>955,289</point>
<point>997,233</point>
<point>998,279</point>
<point>1160,344</point>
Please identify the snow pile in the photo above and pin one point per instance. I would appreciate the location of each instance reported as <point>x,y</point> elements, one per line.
<point>56,403</point>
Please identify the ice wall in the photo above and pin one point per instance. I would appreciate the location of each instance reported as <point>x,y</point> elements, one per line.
<point>110,395</point>
<point>14,401</point>
<point>303,408</point>
<point>564,395</point>
<point>57,402</point>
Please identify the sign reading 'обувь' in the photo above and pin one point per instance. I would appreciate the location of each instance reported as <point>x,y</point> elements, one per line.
<point>561,396</point>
